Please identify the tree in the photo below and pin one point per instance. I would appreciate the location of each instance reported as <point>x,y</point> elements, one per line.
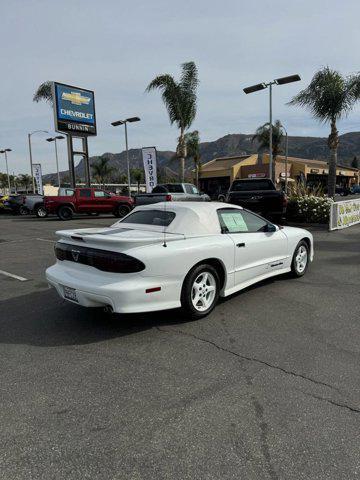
<point>262,137</point>
<point>192,140</point>
<point>330,96</point>
<point>24,180</point>
<point>102,170</point>
<point>180,101</point>
<point>44,93</point>
<point>138,175</point>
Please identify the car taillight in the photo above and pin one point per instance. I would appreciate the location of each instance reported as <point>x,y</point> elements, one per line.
<point>101,259</point>
<point>168,198</point>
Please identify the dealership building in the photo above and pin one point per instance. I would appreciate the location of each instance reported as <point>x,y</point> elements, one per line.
<point>216,176</point>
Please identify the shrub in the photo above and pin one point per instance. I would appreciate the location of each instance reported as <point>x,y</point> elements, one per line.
<point>309,209</point>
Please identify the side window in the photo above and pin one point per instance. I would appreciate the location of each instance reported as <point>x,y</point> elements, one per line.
<point>85,193</point>
<point>254,222</point>
<point>100,194</point>
<point>240,221</point>
<point>232,221</point>
<point>191,189</point>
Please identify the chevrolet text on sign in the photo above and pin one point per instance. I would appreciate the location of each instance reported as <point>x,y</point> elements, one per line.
<point>74,110</point>
<point>149,160</point>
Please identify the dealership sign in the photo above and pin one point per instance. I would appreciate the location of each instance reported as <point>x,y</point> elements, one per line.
<point>38,178</point>
<point>74,110</point>
<point>149,160</point>
<point>344,214</point>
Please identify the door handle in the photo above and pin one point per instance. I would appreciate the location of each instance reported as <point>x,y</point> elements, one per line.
<point>240,245</point>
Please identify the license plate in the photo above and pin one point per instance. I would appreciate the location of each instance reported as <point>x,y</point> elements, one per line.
<point>70,294</point>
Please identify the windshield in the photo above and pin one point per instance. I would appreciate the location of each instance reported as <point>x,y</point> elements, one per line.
<point>249,185</point>
<point>150,217</point>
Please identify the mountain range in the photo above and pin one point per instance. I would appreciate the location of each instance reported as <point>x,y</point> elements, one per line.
<point>229,145</point>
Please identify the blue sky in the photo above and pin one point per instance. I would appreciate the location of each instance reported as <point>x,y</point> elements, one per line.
<point>116,47</point>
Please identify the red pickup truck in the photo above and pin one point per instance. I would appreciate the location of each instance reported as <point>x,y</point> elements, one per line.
<point>88,201</point>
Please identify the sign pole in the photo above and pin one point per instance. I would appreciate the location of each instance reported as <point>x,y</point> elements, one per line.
<point>86,160</point>
<point>71,161</point>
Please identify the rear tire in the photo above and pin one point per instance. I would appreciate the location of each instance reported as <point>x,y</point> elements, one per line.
<point>41,212</point>
<point>200,291</point>
<point>65,213</point>
<point>121,210</point>
<point>23,210</point>
<point>300,259</point>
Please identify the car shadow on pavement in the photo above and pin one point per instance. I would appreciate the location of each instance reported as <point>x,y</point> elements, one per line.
<point>43,319</point>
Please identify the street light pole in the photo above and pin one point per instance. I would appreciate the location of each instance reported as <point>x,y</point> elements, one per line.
<point>127,159</point>
<point>270,134</point>
<point>5,150</point>
<point>54,139</point>
<point>30,155</point>
<point>286,157</point>
<point>262,86</point>
<point>125,122</point>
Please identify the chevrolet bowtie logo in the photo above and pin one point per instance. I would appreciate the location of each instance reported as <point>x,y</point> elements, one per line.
<point>75,98</point>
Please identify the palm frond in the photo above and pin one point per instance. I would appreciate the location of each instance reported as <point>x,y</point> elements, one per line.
<point>329,96</point>
<point>44,93</point>
<point>178,97</point>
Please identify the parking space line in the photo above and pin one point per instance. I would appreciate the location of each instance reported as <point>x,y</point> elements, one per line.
<point>17,277</point>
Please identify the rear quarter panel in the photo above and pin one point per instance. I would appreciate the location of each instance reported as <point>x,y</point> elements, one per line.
<point>180,256</point>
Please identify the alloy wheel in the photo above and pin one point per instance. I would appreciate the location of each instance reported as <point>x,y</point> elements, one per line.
<point>203,291</point>
<point>301,259</point>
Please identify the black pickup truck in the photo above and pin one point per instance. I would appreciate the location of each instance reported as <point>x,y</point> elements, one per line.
<point>260,196</point>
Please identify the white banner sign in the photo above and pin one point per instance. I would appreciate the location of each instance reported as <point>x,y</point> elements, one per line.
<point>344,214</point>
<point>38,178</point>
<point>149,159</point>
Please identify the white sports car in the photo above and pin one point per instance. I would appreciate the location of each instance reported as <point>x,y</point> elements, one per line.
<point>175,254</point>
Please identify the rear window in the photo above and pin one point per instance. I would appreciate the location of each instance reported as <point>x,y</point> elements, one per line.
<point>150,217</point>
<point>248,185</point>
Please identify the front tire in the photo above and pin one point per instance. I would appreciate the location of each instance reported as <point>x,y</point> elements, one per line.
<point>41,212</point>
<point>65,213</point>
<point>300,259</point>
<point>121,211</point>
<point>200,292</point>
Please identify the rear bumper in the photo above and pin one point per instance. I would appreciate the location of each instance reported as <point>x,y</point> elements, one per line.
<point>124,293</point>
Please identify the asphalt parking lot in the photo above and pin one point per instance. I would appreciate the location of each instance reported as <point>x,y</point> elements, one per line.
<point>266,387</point>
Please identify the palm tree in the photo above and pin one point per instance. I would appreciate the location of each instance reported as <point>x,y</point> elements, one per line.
<point>25,181</point>
<point>262,137</point>
<point>138,175</point>
<point>180,101</point>
<point>102,170</point>
<point>44,93</point>
<point>330,96</point>
<point>192,140</point>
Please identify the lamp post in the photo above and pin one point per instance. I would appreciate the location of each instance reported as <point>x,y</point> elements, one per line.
<point>5,150</point>
<point>53,139</point>
<point>286,158</point>
<point>30,154</point>
<point>125,122</point>
<point>262,86</point>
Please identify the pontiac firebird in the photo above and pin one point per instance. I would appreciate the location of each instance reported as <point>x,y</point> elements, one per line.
<point>175,254</point>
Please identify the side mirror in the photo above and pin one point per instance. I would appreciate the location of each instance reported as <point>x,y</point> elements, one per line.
<point>270,227</point>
